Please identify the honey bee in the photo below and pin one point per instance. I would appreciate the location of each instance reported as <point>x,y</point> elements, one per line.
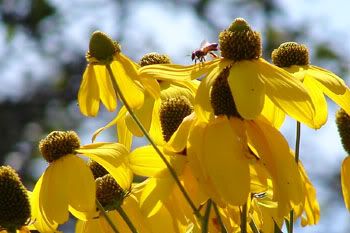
<point>204,49</point>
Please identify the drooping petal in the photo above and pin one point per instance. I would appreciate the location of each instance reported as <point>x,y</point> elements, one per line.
<point>286,92</point>
<point>81,189</point>
<point>273,149</point>
<point>156,126</point>
<point>319,101</point>
<point>144,161</point>
<point>112,156</point>
<point>327,79</point>
<point>178,140</point>
<point>151,86</point>
<point>272,113</point>
<point>124,71</point>
<point>248,89</point>
<point>89,94</point>
<point>169,72</point>
<point>91,226</point>
<point>342,100</point>
<point>202,105</point>
<point>143,114</point>
<point>50,194</point>
<point>225,160</point>
<point>311,205</point>
<point>155,193</point>
<point>345,181</point>
<point>120,115</point>
<point>105,85</point>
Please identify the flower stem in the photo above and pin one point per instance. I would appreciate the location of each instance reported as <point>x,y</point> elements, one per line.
<point>297,149</point>
<point>244,219</point>
<point>161,155</point>
<point>205,220</point>
<point>102,210</point>
<point>253,226</point>
<point>297,142</point>
<point>222,226</point>
<point>126,219</point>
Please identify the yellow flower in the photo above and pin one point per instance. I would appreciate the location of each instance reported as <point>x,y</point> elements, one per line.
<point>61,189</point>
<point>251,79</point>
<point>294,58</point>
<point>97,83</point>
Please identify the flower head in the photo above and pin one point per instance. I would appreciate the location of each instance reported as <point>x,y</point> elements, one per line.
<point>14,205</point>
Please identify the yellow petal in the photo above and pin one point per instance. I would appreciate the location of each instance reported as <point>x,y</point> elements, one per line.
<point>112,156</point>
<point>224,158</point>
<point>327,79</point>
<point>319,101</point>
<point>51,194</point>
<point>345,181</point>
<point>154,194</point>
<point>342,100</point>
<point>41,223</point>
<point>105,85</point>
<point>144,114</point>
<point>144,161</point>
<point>124,134</point>
<point>124,71</point>
<point>311,205</point>
<point>91,226</point>
<point>202,103</point>
<point>120,115</point>
<point>169,72</point>
<point>272,113</point>
<point>178,140</point>
<point>248,90</point>
<point>81,190</point>
<point>286,92</point>
<point>274,151</point>
<point>151,86</point>
<point>156,128</point>
<point>89,94</point>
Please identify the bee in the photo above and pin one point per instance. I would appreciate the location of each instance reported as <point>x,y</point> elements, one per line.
<point>204,49</point>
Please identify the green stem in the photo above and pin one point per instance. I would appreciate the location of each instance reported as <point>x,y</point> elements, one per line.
<point>205,220</point>
<point>297,150</point>
<point>221,223</point>
<point>126,219</point>
<point>103,212</point>
<point>144,131</point>
<point>244,219</point>
<point>297,142</point>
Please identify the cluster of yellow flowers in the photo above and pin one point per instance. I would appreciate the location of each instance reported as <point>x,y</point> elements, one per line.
<point>216,161</point>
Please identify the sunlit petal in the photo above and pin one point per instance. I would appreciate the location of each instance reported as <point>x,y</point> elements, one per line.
<point>89,94</point>
<point>248,89</point>
<point>272,113</point>
<point>169,72</point>
<point>286,92</point>
<point>124,70</point>
<point>112,156</point>
<point>81,189</point>
<point>155,193</point>
<point>328,79</point>
<point>224,158</point>
<point>107,93</point>
<point>342,100</point>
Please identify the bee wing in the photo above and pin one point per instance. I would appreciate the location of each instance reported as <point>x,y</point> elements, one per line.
<point>204,44</point>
